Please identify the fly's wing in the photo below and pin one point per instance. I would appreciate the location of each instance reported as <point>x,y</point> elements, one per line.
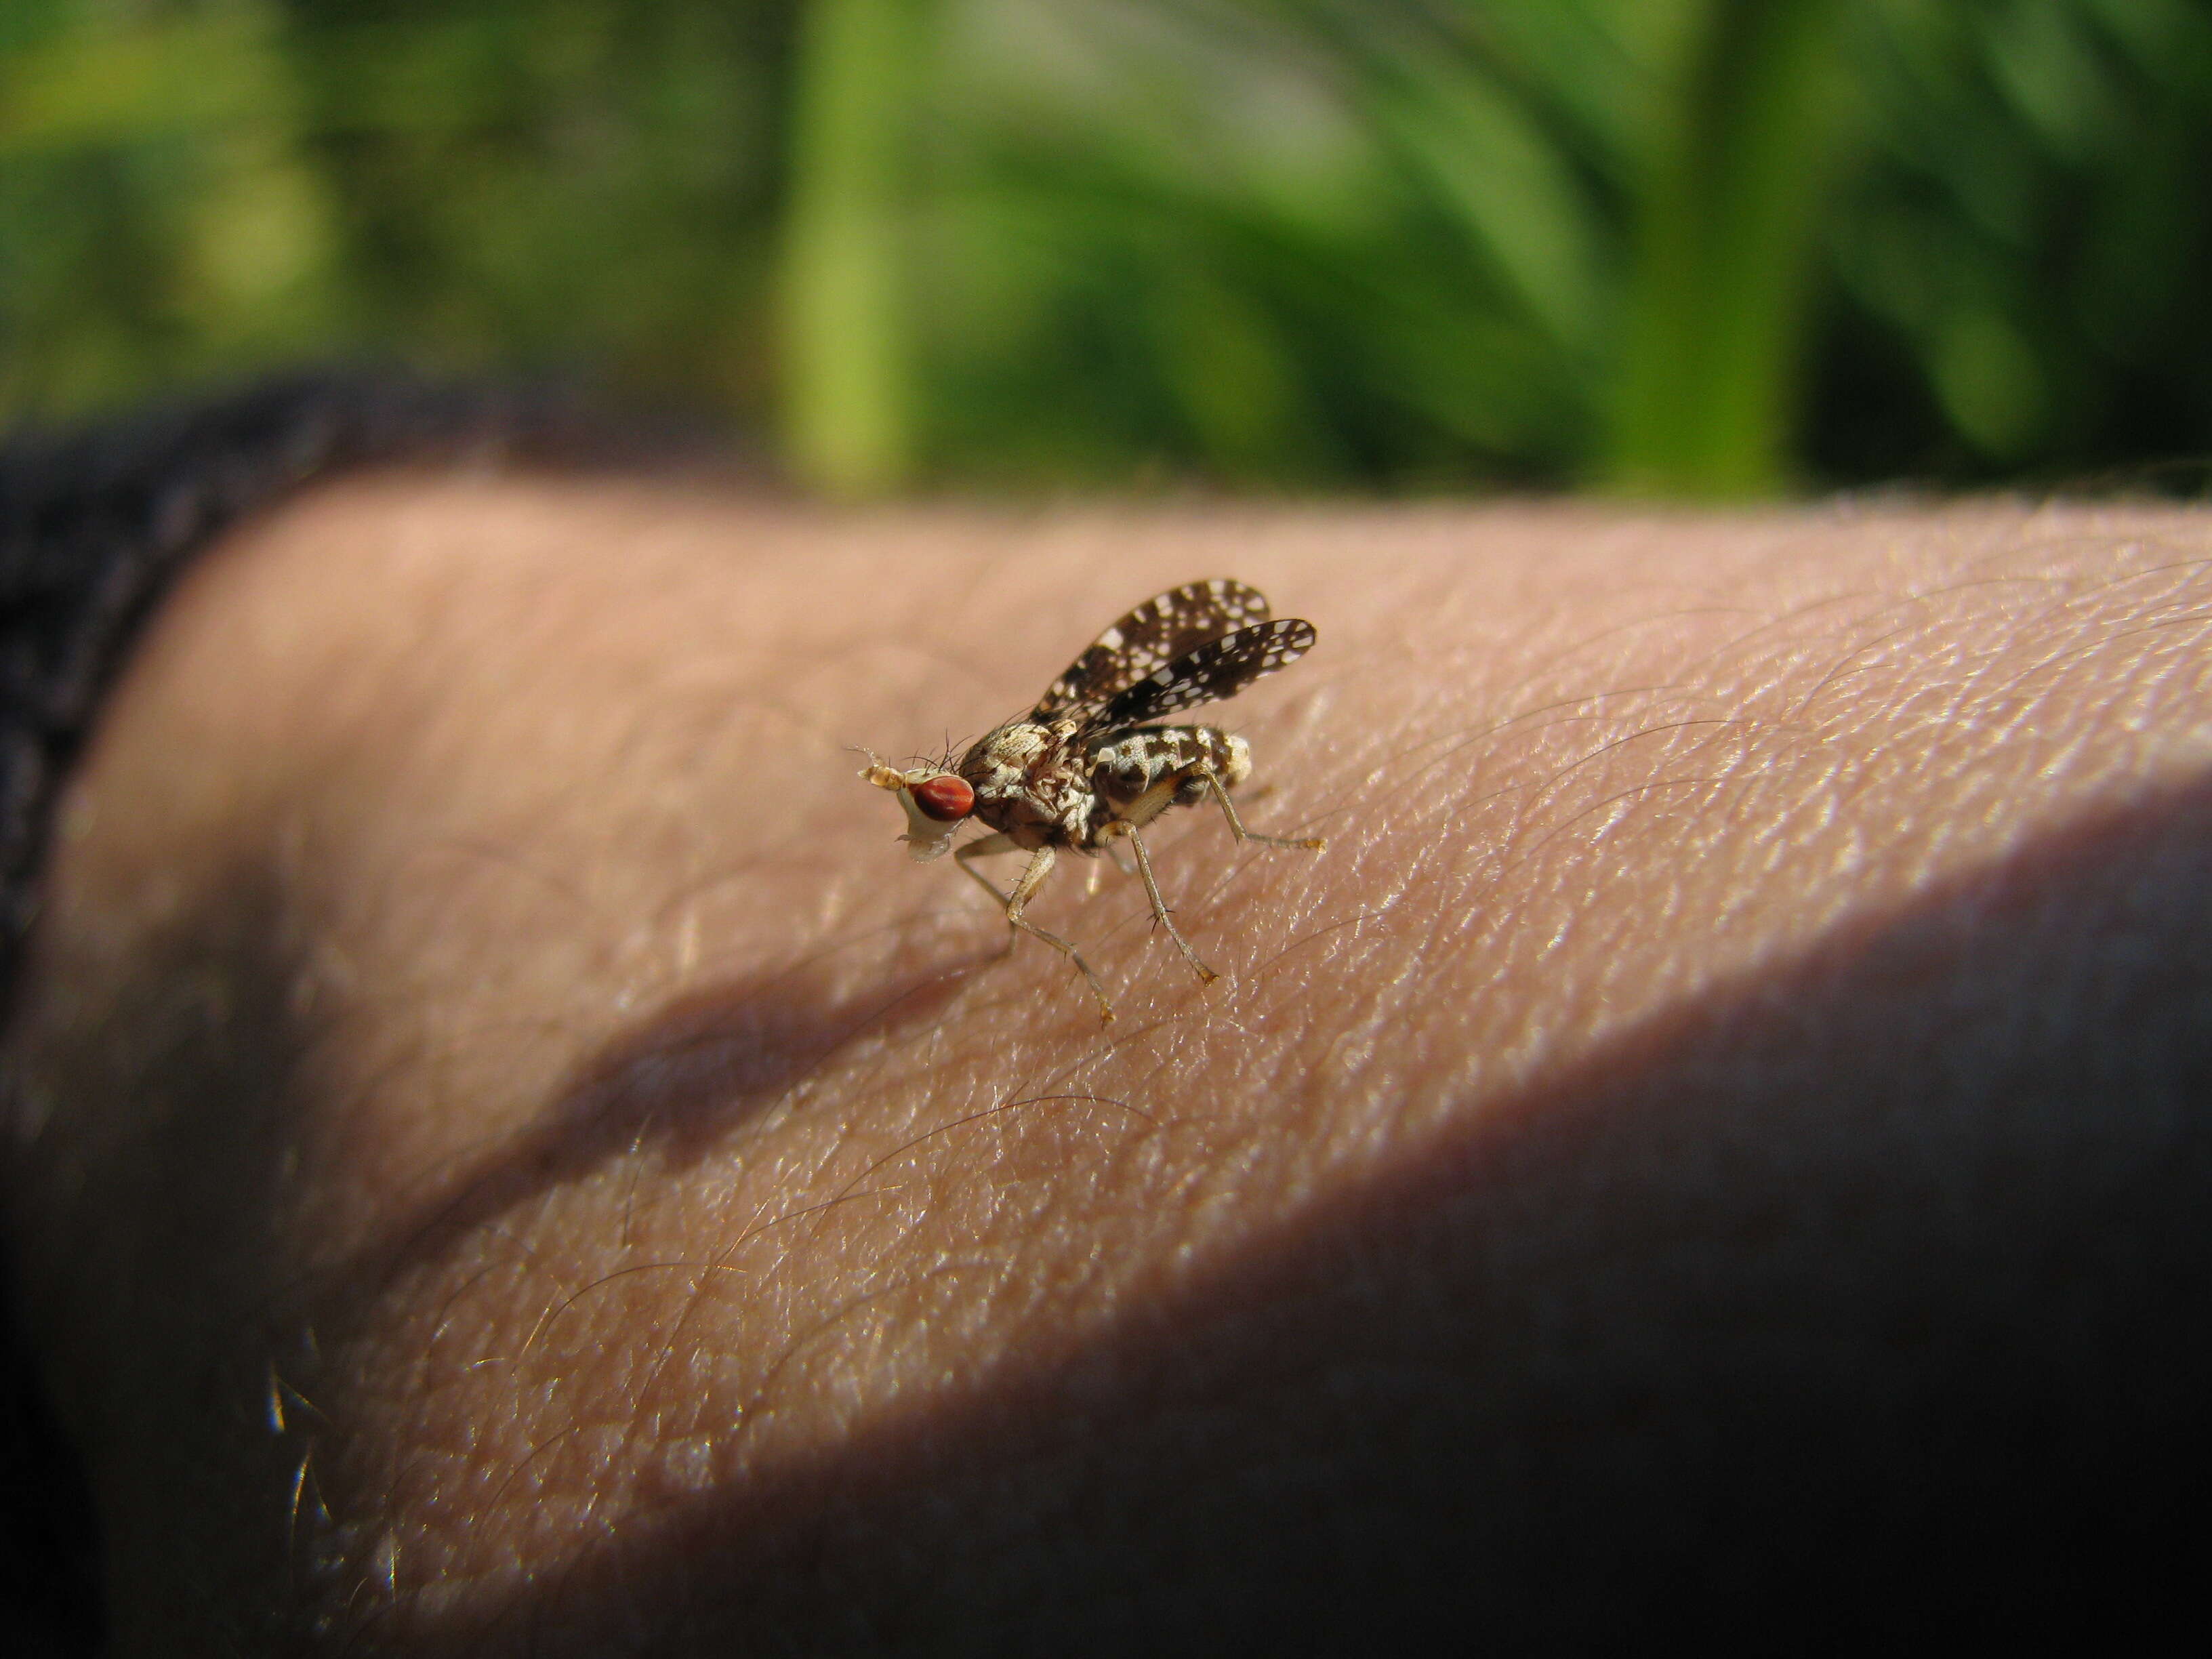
<point>1162,631</point>
<point>1213,672</point>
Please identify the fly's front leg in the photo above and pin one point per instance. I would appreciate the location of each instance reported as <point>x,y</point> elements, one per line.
<point>1237,824</point>
<point>988,846</point>
<point>1123,827</point>
<point>1032,877</point>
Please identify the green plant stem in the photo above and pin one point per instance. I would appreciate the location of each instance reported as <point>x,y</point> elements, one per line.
<point>1716,310</point>
<point>845,415</point>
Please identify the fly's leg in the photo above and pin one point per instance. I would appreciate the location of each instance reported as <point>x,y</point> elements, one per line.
<point>988,846</point>
<point>1237,824</point>
<point>1032,877</point>
<point>1123,827</point>
<point>1113,857</point>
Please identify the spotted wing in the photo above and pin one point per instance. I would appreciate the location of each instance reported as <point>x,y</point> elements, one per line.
<point>1216,671</point>
<point>1162,631</point>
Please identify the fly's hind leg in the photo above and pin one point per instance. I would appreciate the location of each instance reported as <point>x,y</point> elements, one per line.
<point>1032,877</point>
<point>1237,824</point>
<point>1122,827</point>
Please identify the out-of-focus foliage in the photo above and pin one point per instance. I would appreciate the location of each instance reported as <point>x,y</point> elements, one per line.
<point>197,187</point>
<point>1712,247</point>
<point>2021,257</point>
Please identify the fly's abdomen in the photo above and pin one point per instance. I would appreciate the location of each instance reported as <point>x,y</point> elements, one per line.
<point>1131,764</point>
<point>1228,759</point>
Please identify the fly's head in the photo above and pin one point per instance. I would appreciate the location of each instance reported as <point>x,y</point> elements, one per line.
<point>937,802</point>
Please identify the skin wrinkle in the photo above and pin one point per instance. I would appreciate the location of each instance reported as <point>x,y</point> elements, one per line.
<point>1217,1172</point>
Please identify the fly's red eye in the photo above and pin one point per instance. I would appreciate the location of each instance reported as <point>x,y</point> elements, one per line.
<point>946,798</point>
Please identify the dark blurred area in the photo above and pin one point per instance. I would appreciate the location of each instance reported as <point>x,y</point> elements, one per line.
<point>1684,247</point>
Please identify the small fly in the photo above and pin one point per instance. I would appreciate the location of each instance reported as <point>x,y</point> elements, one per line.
<point>1084,770</point>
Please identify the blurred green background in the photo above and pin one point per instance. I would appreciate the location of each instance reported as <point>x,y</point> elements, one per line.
<point>1701,248</point>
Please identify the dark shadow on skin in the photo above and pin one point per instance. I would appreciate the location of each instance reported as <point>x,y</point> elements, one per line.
<point>680,1084</point>
<point>204,1059</point>
<point>96,523</point>
<point>1675,1345</point>
<point>193,1074</point>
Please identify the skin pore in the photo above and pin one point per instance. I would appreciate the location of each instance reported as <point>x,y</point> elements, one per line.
<point>509,1156</point>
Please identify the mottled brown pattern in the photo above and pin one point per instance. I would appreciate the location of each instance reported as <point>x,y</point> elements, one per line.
<point>1152,637</point>
<point>1058,777</point>
<point>1212,673</point>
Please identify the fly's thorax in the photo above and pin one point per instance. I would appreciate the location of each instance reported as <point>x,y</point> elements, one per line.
<point>1025,776</point>
<point>1000,759</point>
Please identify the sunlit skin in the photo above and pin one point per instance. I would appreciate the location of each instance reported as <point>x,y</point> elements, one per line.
<point>510,1158</point>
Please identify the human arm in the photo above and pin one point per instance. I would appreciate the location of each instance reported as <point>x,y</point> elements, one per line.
<point>511,1152</point>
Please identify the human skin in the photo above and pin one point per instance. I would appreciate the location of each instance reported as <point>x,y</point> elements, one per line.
<point>508,1155</point>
